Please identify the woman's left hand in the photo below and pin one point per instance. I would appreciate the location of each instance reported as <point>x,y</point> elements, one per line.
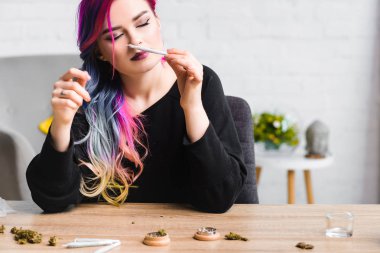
<point>189,73</point>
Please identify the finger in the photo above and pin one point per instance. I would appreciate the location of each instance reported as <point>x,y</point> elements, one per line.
<point>187,62</point>
<point>74,73</point>
<point>73,86</point>
<point>63,103</point>
<point>189,67</point>
<point>68,94</point>
<point>174,56</point>
<point>178,69</point>
<point>177,51</point>
<point>184,63</point>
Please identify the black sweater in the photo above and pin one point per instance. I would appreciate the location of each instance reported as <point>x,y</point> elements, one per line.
<point>209,173</point>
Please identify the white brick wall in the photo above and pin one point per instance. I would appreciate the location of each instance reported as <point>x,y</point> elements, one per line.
<point>318,58</point>
<point>37,27</point>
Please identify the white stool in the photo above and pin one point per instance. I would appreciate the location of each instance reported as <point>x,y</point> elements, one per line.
<point>292,162</point>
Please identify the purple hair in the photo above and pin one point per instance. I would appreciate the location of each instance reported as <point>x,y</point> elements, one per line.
<point>114,132</point>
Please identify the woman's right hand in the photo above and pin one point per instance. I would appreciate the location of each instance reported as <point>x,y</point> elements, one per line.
<point>68,95</point>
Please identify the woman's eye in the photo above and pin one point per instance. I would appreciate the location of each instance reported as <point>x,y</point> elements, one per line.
<point>145,24</point>
<point>115,37</point>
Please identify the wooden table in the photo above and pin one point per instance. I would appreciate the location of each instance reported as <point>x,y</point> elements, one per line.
<point>269,228</point>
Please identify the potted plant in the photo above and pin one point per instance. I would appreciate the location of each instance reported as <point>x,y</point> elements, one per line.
<point>275,130</point>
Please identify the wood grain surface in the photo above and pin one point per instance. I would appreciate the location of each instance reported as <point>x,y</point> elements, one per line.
<point>269,228</point>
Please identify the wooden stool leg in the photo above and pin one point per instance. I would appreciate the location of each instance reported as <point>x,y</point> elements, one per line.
<point>309,188</point>
<point>258,173</point>
<point>291,186</point>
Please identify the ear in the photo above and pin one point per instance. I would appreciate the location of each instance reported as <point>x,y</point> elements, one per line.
<point>99,55</point>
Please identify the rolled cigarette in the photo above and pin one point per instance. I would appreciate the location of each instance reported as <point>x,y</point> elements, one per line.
<point>93,240</point>
<point>147,49</point>
<point>88,244</point>
<point>108,248</point>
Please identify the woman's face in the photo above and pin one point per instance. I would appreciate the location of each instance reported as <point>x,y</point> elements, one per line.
<point>133,22</point>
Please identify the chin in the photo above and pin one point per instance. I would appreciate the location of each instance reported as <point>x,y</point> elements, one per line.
<point>140,67</point>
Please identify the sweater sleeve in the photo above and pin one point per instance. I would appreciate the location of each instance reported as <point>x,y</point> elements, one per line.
<point>216,169</point>
<point>54,177</point>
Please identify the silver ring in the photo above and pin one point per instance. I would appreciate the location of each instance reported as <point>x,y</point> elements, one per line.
<point>206,231</point>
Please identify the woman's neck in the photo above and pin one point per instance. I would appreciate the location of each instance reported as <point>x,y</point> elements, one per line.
<point>143,90</point>
<point>142,84</point>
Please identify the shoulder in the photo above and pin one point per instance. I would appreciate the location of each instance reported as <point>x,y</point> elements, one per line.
<point>209,75</point>
<point>213,97</point>
<point>211,82</point>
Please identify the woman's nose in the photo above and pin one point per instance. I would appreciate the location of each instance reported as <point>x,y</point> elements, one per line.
<point>134,38</point>
<point>136,42</point>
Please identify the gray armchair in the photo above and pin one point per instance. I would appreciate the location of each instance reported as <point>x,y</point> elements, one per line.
<point>25,91</point>
<point>242,116</point>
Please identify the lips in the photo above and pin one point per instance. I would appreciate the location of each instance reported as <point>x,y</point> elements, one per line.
<point>139,56</point>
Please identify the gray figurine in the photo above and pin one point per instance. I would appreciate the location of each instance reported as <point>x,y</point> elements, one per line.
<point>317,135</point>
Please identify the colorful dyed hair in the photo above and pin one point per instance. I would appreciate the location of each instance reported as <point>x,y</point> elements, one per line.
<point>114,133</point>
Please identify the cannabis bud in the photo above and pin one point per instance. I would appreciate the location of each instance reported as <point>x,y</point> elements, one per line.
<point>234,236</point>
<point>14,230</point>
<point>161,232</point>
<point>26,236</point>
<point>303,245</point>
<point>53,241</point>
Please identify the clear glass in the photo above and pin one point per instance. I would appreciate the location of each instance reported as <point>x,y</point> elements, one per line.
<point>339,224</point>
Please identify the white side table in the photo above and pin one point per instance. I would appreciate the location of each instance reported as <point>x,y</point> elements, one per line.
<point>292,162</point>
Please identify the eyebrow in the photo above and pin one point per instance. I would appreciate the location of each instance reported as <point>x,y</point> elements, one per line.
<point>118,27</point>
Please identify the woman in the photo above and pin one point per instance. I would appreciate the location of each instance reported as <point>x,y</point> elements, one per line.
<point>133,125</point>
